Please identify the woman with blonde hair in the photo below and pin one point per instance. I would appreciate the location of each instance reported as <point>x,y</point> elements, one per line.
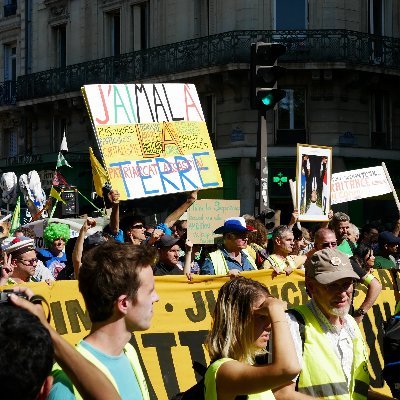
<point>244,316</point>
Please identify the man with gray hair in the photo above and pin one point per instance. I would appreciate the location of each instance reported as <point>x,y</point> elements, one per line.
<point>280,260</point>
<point>328,341</point>
<point>354,234</point>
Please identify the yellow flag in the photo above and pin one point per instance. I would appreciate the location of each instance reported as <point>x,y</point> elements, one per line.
<point>99,173</point>
<point>56,195</point>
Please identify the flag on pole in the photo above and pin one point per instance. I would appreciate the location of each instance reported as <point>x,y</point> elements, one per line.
<point>45,208</point>
<point>56,195</point>
<point>58,179</point>
<point>99,173</point>
<point>16,216</point>
<point>64,145</point>
<point>62,161</point>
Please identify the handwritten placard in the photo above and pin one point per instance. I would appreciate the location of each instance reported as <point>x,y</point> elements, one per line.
<point>153,138</point>
<point>205,216</point>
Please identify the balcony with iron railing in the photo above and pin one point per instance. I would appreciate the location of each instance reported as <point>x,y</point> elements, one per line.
<point>303,46</point>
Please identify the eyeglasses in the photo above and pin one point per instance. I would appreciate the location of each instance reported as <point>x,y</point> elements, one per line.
<point>339,287</point>
<point>329,244</point>
<point>28,262</point>
<point>243,236</point>
<point>137,226</point>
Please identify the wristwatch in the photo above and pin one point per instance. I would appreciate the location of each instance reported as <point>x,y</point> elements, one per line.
<point>359,313</point>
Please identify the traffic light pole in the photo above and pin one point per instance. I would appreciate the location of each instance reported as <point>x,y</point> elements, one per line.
<point>264,96</point>
<point>262,198</point>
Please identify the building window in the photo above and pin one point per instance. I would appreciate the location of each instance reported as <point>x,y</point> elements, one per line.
<point>291,14</point>
<point>376,17</point>
<point>113,33</point>
<point>140,17</point>
<point>201,18</point>
<point>60,45</point>
<point>291,126</point>
<point>396,127</point>
<point>10,72</point>
<point>381,129</point>
<point>10,7</point>
<point>10,62</point>
<point>10,143</point>
<point>208,105</point>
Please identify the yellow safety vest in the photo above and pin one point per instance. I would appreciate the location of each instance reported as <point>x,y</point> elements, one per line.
<point>210,384</point>
<point>133,358</point>
<point>220,264</point>
<point>322,374</point>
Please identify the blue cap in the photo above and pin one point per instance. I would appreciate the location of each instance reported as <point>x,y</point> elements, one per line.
<point>236,224</point>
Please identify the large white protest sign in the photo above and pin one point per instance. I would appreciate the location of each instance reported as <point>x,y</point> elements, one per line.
<point>153,138</point>
<point>359,184</point>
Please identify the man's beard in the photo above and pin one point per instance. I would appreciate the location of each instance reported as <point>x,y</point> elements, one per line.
<point>340,312</point>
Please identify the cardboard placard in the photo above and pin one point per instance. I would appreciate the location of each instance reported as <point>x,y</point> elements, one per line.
<point>204,216</point>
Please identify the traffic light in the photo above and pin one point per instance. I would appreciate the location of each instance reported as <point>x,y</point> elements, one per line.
<point>264,75</point>
<point>268,218</point>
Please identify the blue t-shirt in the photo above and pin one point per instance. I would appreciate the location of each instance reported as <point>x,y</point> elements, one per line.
<point>119,367</point>
<point>208,268</point>
<point>53,263</point>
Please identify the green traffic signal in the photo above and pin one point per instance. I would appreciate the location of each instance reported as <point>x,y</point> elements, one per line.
<point>264,75</point>
<point>267,100</point>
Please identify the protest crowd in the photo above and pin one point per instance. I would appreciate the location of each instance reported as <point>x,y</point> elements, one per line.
<point>315,350</point>
<point>258,346</point>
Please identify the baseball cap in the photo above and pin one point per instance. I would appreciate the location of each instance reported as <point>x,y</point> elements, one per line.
<point>235,224</point>
<point>17,245</point>
<point>388,237</point>
<point>329,265</point>
<point>94,240</point>
<point>167,241</point>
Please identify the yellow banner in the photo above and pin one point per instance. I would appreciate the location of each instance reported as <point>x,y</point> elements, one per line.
<point>183,316</point>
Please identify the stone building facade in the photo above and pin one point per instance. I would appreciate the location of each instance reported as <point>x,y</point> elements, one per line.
<point>343,74</point>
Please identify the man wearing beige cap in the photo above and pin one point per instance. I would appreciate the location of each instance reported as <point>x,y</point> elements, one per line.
<point>329,344</point>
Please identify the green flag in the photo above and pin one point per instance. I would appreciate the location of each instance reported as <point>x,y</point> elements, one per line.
<point>15,223</point>
<point>62,161</point>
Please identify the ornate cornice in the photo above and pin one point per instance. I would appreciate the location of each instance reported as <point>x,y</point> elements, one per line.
<point>58,8</point>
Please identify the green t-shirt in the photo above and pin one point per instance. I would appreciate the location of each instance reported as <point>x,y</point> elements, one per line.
<point>383,263</point>
<point>345,248</point>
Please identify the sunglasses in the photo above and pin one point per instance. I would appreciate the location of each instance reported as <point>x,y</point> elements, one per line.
<point>137,226</point>
<point>33,261</point>
<point>329,244</point>
<point>339,287</point>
